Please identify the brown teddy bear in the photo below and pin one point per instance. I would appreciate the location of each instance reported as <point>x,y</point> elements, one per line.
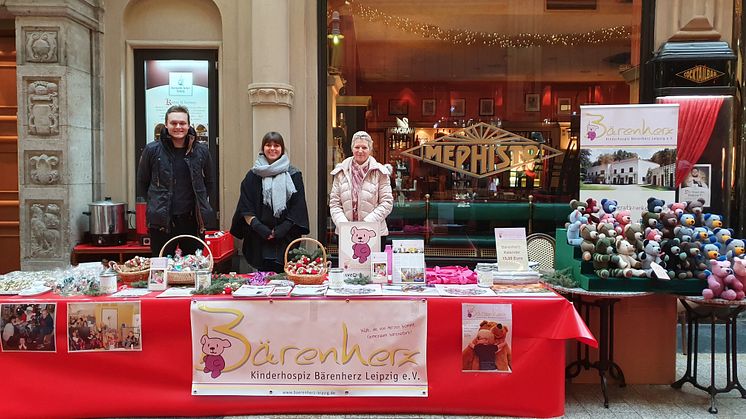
<point>503,357</point>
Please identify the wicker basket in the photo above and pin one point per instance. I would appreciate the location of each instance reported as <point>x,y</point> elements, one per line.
<point>308,279</point>
<point>128,278</point>
<point>185,278</point>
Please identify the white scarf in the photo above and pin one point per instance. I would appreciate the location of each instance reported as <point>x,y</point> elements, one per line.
<point>277,185</point>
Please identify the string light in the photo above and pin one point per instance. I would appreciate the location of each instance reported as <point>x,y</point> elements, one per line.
<point>467,37</point>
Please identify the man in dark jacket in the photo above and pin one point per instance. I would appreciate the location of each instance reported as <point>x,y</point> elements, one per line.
<point>176,175</point>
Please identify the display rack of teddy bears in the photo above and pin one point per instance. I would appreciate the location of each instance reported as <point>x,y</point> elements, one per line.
<point>675,248</point>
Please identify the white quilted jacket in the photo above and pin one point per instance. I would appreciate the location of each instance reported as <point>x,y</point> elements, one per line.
<point>375,202</point>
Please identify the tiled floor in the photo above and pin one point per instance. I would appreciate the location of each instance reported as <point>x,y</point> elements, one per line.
<point>633,401</point>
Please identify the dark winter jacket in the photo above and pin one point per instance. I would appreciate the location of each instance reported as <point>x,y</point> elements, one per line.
<point>155,175</point>
<point>290,225</point>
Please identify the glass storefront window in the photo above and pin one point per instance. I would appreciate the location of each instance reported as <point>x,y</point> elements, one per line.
<point>473,105</point>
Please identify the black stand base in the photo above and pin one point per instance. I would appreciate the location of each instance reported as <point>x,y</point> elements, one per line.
<point>695,315</point>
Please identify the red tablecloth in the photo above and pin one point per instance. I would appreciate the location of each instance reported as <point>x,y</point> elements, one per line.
<point>157,380</point>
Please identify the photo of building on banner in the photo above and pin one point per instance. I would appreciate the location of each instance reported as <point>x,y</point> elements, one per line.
<point>628,153</point>
<point>487,336</point>
<point>244,347</point>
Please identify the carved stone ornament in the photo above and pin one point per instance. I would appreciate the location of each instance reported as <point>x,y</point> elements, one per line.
<point>41,45</point>
<point>271,95</point>
<point>43,110</point>
<point>46,230</point>
<point>44,169</point>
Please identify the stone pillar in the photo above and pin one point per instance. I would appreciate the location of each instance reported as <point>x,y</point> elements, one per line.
<point>270,93</point>
<point>693,20</point>
<point>59,107</point>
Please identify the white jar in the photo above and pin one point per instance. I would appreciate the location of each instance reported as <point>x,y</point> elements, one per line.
<point>336,278</point>
<point>484,276</point>
<point>108,282</point>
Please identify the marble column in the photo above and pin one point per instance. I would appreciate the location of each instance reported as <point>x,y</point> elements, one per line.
<point>59,109</point>
<point>270,93</point>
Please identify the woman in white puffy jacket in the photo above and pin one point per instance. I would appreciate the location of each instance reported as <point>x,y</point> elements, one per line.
<point>362,187</point>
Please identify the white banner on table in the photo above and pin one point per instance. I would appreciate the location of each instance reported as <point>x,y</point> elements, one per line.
<point>632,153</point>
<point>309,348</point>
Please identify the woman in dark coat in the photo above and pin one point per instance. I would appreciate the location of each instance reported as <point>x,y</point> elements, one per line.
<point>271,210</point>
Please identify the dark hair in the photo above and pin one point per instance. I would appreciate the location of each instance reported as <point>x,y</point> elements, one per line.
<point>177,108</point>
<point>273,137</point>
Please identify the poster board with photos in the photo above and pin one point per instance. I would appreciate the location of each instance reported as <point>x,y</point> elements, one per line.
<point>408,261</point>
<point>357,241</point>
<point>511,250</point>
<point>487,337</point>
<point>622,140</point>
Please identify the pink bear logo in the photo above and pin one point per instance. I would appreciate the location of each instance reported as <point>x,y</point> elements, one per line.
<point>213,349</point>
<point>360,248</point>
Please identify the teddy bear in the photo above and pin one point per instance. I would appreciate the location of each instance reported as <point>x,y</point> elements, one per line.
<point>360,248</point>
<point>591,211</point>
<point>604,257</point>
<point>696,208</point>
<point>650,218</point>
<point>608,206</point>
<point>713,221</point>
<point>577,216</point>
<point>606,230</point>
<point>689,264</point>
<point>653,234</point>
<point>722,235</point>
<point>669,221</point>
<point>589,235</point>
<point>677,208</point>
<point>633,233</point>
<point>628,265</point>
<point>673,257</point>
<point>651,253</point>
<point>739,271</point>
<point>721,274</point>
<point>734,248</point>
<point>703,235</point>
<point>621,219</point>
<point>213,349</point>
<point>576,219</point>
<point>503,355</point>
<point>684,233</point>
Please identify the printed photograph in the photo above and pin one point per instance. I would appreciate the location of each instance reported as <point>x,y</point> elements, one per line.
<point>28,327</point>
<point>415,274</point>
<point>696,184</point>
<point>104,327</point>
<point>486,337</point>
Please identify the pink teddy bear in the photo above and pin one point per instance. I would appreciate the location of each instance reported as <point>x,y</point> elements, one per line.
<point>621,219</point>
<point>360,248</point>
<point>718,280</point>
<point>739,271</point>
<point>213,349</point>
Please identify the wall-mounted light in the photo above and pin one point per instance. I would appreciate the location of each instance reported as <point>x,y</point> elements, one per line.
<point>335,35</point>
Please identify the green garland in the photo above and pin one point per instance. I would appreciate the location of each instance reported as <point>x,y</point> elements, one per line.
<point>561,277</point>
<point>358,279</point>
